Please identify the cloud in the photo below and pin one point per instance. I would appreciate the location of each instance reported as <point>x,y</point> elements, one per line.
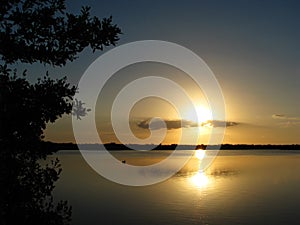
<point>219,123</point>
<point>170,124</point>
<point>279,116</point>
<point>286,120</point>
<point>284,117</point>
<point>177,124</point>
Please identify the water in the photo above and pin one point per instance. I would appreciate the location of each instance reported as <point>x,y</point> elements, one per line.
<point>240,187</point>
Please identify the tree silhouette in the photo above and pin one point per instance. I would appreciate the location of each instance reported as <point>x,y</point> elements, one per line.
<point>38,31</point>
<point>42,31</point>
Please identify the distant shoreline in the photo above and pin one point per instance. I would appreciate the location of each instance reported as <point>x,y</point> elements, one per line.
<point>53,147</point>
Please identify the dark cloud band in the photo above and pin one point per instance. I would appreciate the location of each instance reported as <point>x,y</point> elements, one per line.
<point>177,124</point>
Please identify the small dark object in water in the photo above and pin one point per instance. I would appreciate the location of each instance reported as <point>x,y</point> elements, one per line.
<point>123,161</point>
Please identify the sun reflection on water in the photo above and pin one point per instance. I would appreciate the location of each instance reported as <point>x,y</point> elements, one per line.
<point>200,154</point>
<point>200,180</point>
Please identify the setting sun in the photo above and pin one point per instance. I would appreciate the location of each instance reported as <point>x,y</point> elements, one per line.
<point>203,114</point>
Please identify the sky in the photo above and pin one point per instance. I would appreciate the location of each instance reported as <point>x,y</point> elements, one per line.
<point>252,47</point>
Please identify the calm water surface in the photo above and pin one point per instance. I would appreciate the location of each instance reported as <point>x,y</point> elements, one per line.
<point>240,187</point>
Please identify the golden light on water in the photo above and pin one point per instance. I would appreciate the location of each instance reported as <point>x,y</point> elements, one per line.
<point>200,179</point>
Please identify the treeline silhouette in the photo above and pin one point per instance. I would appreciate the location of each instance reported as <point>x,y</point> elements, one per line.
<point>54,147</point>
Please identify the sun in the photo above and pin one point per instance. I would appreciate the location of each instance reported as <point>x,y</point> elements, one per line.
<point>203,114</point>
